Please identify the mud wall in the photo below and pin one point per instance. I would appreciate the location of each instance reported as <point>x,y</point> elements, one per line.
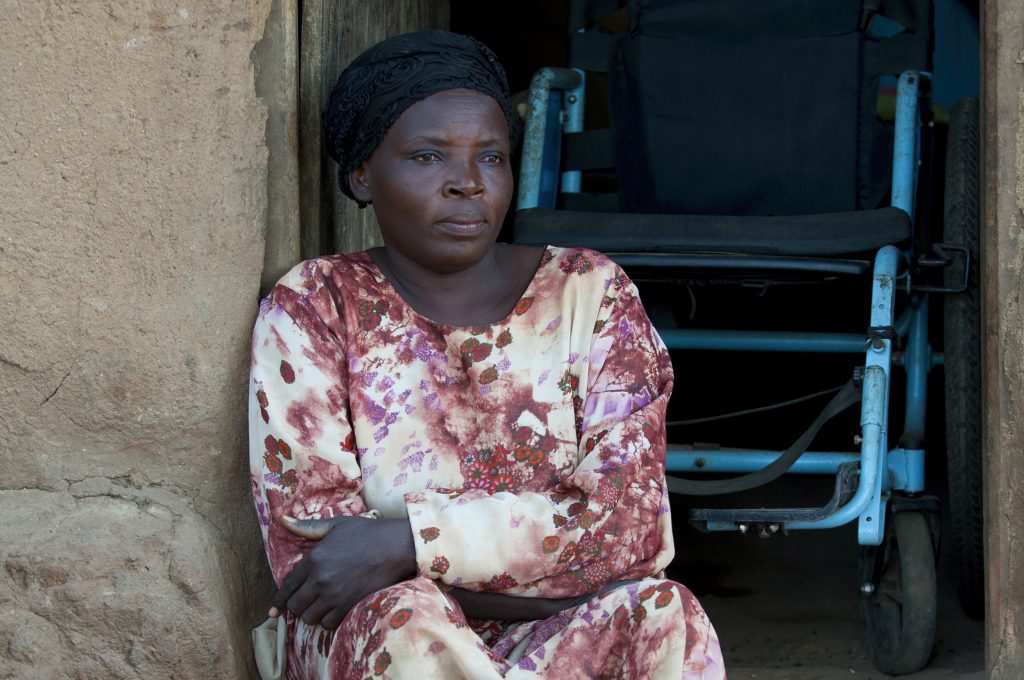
<point>133,171</point>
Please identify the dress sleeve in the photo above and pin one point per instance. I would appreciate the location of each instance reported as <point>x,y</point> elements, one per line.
<point>301,446</point>
<point>607,521</point>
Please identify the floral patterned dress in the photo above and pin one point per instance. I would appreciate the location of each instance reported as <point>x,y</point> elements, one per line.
<point>528,455</point>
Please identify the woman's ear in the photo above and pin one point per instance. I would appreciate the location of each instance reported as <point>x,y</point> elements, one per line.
<point>360,185</point>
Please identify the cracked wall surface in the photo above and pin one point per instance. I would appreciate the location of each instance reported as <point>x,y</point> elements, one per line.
<point>133,168</point>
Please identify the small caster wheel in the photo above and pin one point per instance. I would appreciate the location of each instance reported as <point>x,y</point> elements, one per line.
<point>898,595</point>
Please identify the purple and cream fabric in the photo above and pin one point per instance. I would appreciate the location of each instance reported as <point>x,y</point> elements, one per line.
<point>528,455</point>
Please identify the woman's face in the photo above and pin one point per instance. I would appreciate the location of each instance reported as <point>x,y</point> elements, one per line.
<point>440,181</point>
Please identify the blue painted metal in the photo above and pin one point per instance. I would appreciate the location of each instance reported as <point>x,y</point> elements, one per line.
<point>763,341</point>
<point>905,147</point>
<point>549,164</point>
<point>905,467</point>
<point>867,502</point>
<point>902,323</point>
<point>679,459</point>
<point>572,105</point>
<point>906,470</point>
<point>773,341</point>
<point>530,175</point>
<point>917,364</point>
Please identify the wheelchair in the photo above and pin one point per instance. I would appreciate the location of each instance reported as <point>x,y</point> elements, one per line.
<point>745,151</point>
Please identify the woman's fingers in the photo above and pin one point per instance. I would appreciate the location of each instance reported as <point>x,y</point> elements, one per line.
<point>303,600</point>
<point>332,619</point>
<point>330,579</point>
<point>312,529</point>
<point>313,611</point>
<point>292,582</point>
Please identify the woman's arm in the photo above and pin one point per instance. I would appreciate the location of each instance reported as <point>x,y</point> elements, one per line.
<point>320,586</point>
<point>298,463</point>
<point>476,605</point>
<point>303,463</point>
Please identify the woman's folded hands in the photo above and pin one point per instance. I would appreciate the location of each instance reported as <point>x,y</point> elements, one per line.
<point>354,556</point>
<point>357,556</point>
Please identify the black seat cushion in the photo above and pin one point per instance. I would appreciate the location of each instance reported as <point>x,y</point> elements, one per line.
<point>832,234</point>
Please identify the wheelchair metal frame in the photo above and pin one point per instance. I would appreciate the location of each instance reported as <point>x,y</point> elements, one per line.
<point>556,102</point>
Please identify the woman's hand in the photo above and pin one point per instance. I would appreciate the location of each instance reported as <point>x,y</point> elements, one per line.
<point>356,556</point>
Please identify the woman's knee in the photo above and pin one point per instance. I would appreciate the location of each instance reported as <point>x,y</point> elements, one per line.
<point>402,607</point>
<point>672,597</point>
<point>651,596</point>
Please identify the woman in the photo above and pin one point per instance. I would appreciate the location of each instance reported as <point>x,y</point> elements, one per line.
<point>457,446</point>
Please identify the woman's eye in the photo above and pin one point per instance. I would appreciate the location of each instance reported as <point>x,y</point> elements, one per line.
<point>494,158</point>
<point>426,157</point>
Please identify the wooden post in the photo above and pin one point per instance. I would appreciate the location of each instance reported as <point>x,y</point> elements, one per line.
<point>333,33</point>
<point>277,70</point>
<point>1003,280</point>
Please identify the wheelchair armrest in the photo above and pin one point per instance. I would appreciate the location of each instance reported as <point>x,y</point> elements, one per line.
<point>539,171</point>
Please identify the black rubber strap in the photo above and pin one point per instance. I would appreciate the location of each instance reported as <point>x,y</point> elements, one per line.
<point>846,397</point>
<point>882,333</point>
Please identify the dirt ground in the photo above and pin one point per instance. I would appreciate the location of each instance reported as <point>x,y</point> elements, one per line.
<point>786,608</point>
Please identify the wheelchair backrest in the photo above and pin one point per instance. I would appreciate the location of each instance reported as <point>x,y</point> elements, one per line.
<point>756,107</point>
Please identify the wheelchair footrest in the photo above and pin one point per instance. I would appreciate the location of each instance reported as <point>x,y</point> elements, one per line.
<point>846,486</point>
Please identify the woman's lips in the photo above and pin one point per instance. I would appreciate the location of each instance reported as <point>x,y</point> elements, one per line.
<point>462,226</point>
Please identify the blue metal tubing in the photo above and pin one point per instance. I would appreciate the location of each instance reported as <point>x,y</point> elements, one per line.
<point>868,494</point>
<point>866,502</point>
<point>734,460</point>
<point>773,341</point>
<point>918,358</point>
<point>902,473</point>
<point>763,341</point>
<point>544,81</point>
<point>917,362</point>
<point>549,164</point>
<point>905,147</point>
<point>906,470</point>
<point>572,103</point>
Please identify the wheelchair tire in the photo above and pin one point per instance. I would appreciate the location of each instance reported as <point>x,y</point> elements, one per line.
<point>899,614</point>
<point>962,362</point>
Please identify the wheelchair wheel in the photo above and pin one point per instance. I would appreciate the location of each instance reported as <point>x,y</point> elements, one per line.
<point>962,370</point>
<point>899,611</point>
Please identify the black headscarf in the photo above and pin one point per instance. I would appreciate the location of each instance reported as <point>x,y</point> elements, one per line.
<point>385,80</point>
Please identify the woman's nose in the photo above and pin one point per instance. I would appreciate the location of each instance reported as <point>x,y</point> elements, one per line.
<point>464,181</point>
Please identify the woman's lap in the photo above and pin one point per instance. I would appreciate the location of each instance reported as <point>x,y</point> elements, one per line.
<point>653,628</point>
<point>648,629</point>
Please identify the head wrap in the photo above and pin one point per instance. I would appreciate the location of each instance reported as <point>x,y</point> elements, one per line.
<point>385,80</point>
